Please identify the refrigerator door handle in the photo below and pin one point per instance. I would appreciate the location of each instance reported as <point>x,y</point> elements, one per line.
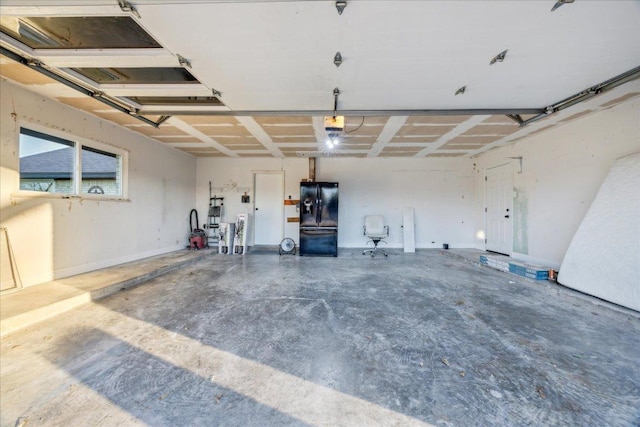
<point>308,228</point>
<point>318,210</point>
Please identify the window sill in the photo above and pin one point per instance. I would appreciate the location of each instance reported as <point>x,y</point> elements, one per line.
<point>44,195</point>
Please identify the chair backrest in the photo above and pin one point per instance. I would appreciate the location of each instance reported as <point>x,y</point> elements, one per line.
<point>374,224</point>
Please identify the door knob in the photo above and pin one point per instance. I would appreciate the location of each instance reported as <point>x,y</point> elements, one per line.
<point>256,208</point>
<point>506,216</point>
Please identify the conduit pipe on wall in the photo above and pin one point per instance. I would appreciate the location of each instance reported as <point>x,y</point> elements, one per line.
<point>312,169</point>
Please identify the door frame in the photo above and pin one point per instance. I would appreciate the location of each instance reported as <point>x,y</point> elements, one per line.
<point>281,204</point>
<point>486,202</point>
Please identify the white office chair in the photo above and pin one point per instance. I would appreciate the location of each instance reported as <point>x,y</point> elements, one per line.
<point>375,230</point>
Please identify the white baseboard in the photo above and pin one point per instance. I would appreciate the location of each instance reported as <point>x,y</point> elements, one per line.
<point>30,280</point>
<point>418,246</point>
<point>35,279</point>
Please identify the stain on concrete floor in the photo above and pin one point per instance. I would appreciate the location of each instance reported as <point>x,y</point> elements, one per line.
<point>412,339</point>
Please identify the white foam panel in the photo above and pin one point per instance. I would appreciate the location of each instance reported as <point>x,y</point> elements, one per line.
<point>408,230</point>
<point>603,258</point>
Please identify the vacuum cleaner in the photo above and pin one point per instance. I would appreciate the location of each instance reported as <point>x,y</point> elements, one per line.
<point>197,237</point>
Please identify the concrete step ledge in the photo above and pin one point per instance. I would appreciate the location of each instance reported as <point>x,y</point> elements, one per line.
<point>31,315</point>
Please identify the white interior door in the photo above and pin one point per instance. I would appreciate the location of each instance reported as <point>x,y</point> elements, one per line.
<point>269,208</point>
<point>499,209</point>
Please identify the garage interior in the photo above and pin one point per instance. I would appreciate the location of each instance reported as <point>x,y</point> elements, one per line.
<point>506,132</point>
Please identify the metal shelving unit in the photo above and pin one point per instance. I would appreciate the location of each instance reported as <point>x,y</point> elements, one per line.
<point>213,218</point>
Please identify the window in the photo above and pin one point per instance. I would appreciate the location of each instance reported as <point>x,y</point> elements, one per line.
<point>77,32</point>
<point>100,172</point>
<point>151,75</point>
<point>47,163</point>
<point>53,164</point>
<point>176,100</point>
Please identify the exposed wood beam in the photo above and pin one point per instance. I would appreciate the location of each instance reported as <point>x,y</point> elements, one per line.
<point>456,131</point>
<point>390,129</point>
<point>207,140</point>
<point>256,130</point>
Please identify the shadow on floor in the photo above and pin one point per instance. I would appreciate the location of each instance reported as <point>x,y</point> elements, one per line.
<point>153,389</point>
<point>422,339</point>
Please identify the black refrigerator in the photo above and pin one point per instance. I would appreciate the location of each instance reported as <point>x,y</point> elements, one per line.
<point>319,218</point>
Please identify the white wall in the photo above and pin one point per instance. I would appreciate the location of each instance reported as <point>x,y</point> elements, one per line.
<point>231,177</point>
<point>439,190</point>
<point>563,168</point>
<point>55,237</point>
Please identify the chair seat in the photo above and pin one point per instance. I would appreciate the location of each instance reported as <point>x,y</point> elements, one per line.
<point>376,236</point>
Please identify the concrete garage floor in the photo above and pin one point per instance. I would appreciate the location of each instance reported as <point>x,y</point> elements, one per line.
<point>412,339</point>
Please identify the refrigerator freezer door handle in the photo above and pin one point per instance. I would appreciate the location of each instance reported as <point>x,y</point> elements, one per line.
<point>308,228</point>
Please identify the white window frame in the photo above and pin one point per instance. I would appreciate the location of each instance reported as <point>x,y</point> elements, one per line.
<point>77,170</point>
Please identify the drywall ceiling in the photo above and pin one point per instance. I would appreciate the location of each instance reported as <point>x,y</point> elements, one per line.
<point>260,75</point>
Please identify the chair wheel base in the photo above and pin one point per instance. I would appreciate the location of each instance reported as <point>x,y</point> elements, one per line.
<point>374,252</point>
